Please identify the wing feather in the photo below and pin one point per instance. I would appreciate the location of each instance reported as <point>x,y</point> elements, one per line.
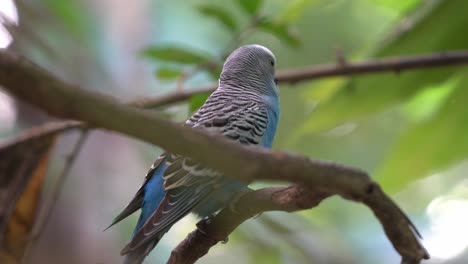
<point>188,183</point>
<point>137,200</point>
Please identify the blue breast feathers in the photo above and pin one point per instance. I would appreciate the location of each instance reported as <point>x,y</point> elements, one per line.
<point>273,107</point>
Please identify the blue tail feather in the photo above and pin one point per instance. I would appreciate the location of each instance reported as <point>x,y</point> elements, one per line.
<point>153,195</point>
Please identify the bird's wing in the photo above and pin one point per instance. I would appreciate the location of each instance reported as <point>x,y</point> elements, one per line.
<point>137,200</point>
<point>188,183</point>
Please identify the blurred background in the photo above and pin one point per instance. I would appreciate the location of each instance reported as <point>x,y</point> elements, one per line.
<point>408,129</point>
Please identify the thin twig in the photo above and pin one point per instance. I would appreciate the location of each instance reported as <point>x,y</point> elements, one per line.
<point>46,213</point>
<point>294,76</point>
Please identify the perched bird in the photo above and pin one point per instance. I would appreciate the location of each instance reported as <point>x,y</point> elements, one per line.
<point>244,108</point>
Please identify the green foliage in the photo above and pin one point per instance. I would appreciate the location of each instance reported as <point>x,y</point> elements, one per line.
<point>431,145</point>
<point>250,6</point>
<point>400,6</point>
<point>196,101</point>
<point>220,15</point>
<point>204,63</point>
<point>168,74</point>
<point>175,54</point>
<point>71,14</point>
<point>363,96</point>
<point>280,30</point>
<point>295,9</point>
<point>425,147</point>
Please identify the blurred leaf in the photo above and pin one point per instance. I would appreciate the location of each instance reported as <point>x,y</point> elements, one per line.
<point>428,102</point>
<point>197,101</point>
<point>215,72</point>
<point>250,6</point>
<point>219,14</point>
<point>23,166</point>
<point>431,145</point>
<point>295,9</point>
<point>400,6</point>
<point>366,95</point>
<point>261,255</point>
<point>168,73</point>
<point>282,31</point>
<point>174,54</point>
<point>72,15</point>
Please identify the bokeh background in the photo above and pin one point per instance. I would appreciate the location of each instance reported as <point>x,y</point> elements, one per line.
<point>408,129</point>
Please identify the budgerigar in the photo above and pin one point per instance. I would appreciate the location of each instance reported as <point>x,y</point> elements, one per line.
<point>244,108</point>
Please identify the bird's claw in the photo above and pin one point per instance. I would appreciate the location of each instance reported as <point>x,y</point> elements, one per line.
<point>225,240</point>
<point>202,224</point>
<point>202,227</point>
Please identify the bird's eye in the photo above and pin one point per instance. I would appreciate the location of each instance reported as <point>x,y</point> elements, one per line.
<point>272,63</point>
<point>276,81</point>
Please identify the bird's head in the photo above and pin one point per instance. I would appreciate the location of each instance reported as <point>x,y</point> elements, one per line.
<point>250,67</point>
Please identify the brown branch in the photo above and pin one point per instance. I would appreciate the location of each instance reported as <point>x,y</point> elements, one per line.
<point>294,76</point>
<point>218,228</point>
<point>289,199</point>
<point>21,77</point>
<point>392,64</point>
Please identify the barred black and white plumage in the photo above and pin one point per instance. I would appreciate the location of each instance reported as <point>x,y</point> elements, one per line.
<point>244,108</point>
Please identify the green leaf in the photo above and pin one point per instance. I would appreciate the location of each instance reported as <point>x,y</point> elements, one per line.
<point>73,15</point>
<point>295,9</point>
<point>250,6</point>
<point>215,72</point>
<point>281,31</point>
<point>367,95</point>
<point>174,54</point>
<point>399,6</point>
<point>197,101</point>
<point>168,73</point>
<point>431,145</point>
<point>219,14</point>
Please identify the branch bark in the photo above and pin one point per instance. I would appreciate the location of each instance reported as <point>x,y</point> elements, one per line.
<point>19,76</point>
<point>342,68</point>
<point>216,229</point>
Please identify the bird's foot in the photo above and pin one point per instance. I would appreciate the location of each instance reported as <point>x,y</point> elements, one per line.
<point>202,224</point>
<point>225,240</point>
<point>202,227</point>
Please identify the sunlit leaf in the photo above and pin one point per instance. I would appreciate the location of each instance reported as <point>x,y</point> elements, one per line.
<point>250,6</point>
<point>174,54</point>
<point>431,145</point>
<point>196,101</point>
<point>428,102</point>
<point>295,9</point>
<point>168,73</point>
<point>400,6</point>
<point>366,95</point>
<point>280,30</point>
<point>220,15</point>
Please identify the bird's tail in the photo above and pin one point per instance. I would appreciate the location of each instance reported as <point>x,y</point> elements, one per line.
<point>139,254</point>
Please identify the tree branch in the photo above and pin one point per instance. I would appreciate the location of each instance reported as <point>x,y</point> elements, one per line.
<point>294,76</point>
<point>38,87</point>
<point>218,228</point>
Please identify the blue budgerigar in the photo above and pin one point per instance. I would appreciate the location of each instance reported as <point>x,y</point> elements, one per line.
<point>244,108</point>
